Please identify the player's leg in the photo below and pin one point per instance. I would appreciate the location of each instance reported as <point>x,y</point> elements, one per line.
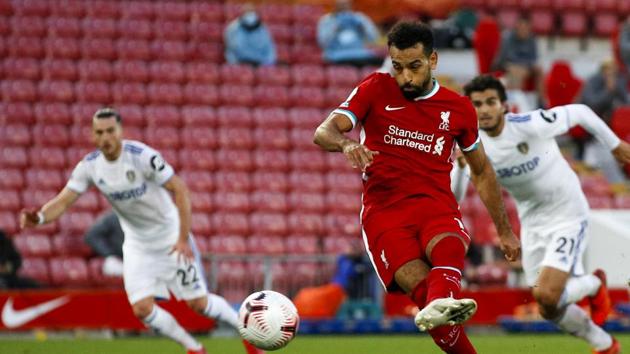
<point>215,307</point>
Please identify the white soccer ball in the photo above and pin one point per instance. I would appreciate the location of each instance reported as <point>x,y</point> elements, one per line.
<point>268,320</point>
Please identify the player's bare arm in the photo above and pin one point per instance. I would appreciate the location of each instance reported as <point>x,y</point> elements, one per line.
<point>622,152</point>
<point>330,136</point>
<point>51,211</point>
<point>484,179</point>
<point>181,196</point>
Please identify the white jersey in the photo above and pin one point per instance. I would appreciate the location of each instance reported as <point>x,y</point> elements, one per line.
<point>133,186</point>
<point>530,166</point>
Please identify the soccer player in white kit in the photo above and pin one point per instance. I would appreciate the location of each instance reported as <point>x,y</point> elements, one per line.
<point>159,252</point>
<point>551,205</point>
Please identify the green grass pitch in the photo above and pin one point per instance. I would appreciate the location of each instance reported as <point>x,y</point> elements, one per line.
<point>384,344</point>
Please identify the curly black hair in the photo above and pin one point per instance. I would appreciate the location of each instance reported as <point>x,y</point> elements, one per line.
<point>407,34</point>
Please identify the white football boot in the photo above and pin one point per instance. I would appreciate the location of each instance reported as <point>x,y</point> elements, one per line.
<point>445,311</point>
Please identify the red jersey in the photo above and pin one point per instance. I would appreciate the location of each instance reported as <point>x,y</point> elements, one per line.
<point>415,140</point>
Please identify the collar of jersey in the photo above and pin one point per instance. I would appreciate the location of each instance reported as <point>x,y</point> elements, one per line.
<point>436,87</point>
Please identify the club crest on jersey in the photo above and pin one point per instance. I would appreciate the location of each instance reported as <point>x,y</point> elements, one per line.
<point>523,148</point>
<point>445,117</point>
<point>131,176</point>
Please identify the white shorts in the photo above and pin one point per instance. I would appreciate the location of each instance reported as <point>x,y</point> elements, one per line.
<point>560,247</point>
<point>153,273</point>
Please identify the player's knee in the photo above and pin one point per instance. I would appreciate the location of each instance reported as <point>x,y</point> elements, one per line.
<point>547,300</point>
<point>198,305</point>
<point>142,309</point>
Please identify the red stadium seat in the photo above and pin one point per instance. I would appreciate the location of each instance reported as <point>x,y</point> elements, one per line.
<point>337,201</point>
<point>95,269</point>
<point>307,96</point>
<point>162,115</point>
<point>600,202</point>
<point>44,178</point>
<point>81,135</point>
<point>281,33</point>
<point>132,115</point>
<point>28,26</point>
<point>272,138</point>
<point>89,201</point>
<point>342,76</point>
<point>270,181</point>
<point>303,13</point>
<point>199,117</point>
<point>344,181</point>
<point>169,50</point>
<point>542,22</point>
<point>129,93</point>
<point>9,200</point>
<point>69,271</point>
<point>133,49</point>
<point>206,31</point>
<point>273,117</point>
<point>228,244</point>
<point>33,245</point>
<point>508,17</point>
<point>298,244</point>
<point>171,30</point>
<point>63,27</point>
<point>19,90</point>
<point>22,68</point>
<point>82,113</point>
<point>605,24</point>
<point>339,244</point>
<point>272,224</point>
<point>197,181</point>
<point>172,10</point>
<point>276,160</point>
<point>59,69</point>
<point>13,157</point>
<point>201,160</point>
<point>15,135</point>
<point>265,244</point>
<point>95,70</point>
<point>167,71</point>
<point>234,117</point>
<point>61,91</point>
<point>337,223</point>
<point>273,75</point>
<point>212,52</point>
<point>308,75</point>
<point>99,28</point>
<point>307,202</point>
<point>231,223</point>
<point>76,9</point>
<point>271,96</point>
<point>302,138</point>
<point>75,154</point>
<point>47,157</point>
<point>94,91</point>
<point>199,138</point>
<point>486,42</point>
<point>32,8</point>
<point>564,5</point>
<point>165,93</point>
<point>233,181</point>
<point>236,95</point>
<point>202,72</point>
<point>135,29</point>
<point>11,178</point>
<point>62,48</point>
<point>236,160</point>
<point>29,47</point>
<point>235,138</point>
<point>131,70</point>
<point>306,54</point>
<point>138,10</point>
<point>232,201</point>
<point>306,34</point>
<point>210,11</point>
<point>202,202</point>
<point>306,223</point>
<point>574,23</point>
<point>98,48</point>
<point>201,224</point>
<point>75,223</point>
<point>103,9</point>
<point>266,201</point>
<point>8,222</point>
<point>307,160</point>
<point>237,74</point>
<point>53,113</point>
<point>5,27</point>
<point>162,137</point>
<point>16,112</point>
<point>306,181</point>
<point>35,268</point>
<point>51,135</point>
<point>201,94</point>
<point>276,13</point>
<point>307,118</point>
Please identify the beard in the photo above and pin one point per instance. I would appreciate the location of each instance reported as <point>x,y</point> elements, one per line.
<point>411,91</point>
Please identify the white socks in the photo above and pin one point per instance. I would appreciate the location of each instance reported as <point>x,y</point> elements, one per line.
<point>576,322</point>
<point>219,309</point>
<point>579,287</point>
<point>164,323</point>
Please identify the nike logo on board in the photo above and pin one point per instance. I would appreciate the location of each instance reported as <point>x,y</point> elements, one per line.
<point>13,318</point>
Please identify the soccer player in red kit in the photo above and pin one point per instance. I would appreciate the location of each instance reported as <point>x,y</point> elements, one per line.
<point>411,222</point>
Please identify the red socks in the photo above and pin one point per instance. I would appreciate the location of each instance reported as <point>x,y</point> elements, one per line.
<point>452,340</point>
<point>419,294</point>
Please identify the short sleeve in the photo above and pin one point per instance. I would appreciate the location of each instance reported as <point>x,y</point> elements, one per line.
<point>80,179</point>
<point>357,105</point>
<point>154,167</point>
<point>468,138</point>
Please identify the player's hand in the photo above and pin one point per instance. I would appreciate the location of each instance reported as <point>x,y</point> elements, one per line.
<point>359,155</point>
<point>183,251</point>
<point>622,152</point>
<point>28,218</point>
<point>510,246</point>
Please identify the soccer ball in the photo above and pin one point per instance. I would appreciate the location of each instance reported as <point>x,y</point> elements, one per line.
<point>268,320</point>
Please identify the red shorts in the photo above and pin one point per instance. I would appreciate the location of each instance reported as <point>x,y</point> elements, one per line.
<point>400,233</point>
